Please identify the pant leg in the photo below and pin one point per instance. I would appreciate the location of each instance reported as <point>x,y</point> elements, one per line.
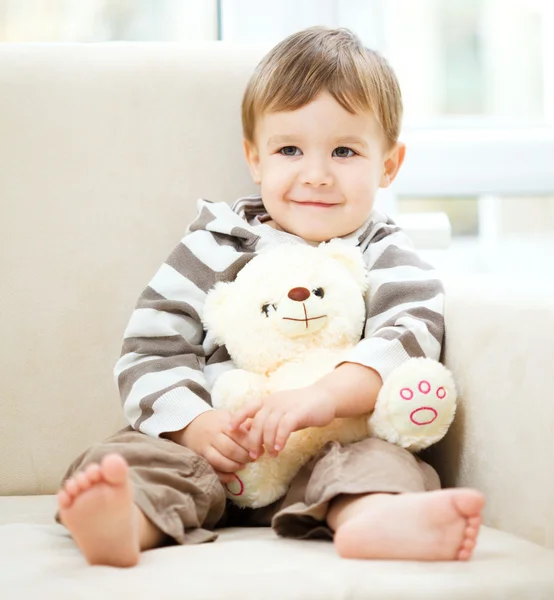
<point>366,467</point>
<point>174,487</point>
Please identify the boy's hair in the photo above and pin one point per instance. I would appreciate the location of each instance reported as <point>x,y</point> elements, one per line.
<point>319,59</point>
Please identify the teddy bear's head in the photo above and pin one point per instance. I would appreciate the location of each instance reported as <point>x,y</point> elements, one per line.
<point>288,300</point>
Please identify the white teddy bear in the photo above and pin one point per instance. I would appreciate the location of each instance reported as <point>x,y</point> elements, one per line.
<point>292,315</point>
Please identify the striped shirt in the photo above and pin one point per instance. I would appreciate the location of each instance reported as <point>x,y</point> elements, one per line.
<point>169,363</point>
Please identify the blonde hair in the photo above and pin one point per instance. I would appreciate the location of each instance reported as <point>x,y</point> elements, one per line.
<point>319,59</point>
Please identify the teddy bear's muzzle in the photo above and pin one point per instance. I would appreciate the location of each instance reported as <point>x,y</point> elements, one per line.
<point>300,313</point>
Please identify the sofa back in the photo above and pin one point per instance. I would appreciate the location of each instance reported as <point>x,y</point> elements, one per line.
<point>104,149</point>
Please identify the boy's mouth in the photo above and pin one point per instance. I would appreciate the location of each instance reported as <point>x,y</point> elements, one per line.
<point>316,204</point>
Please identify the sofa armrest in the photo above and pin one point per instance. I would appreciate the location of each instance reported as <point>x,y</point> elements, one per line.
<point>500,347</point>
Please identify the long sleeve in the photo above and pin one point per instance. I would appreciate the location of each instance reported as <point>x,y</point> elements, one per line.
<point>404,304</point>
<point>162,372</point>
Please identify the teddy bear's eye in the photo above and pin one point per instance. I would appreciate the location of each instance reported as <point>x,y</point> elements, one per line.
<point>318,292</point>
<point>266,307</point>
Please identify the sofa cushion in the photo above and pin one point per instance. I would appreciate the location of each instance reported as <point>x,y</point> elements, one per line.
<point>37,554</point>
<point>105,149</point>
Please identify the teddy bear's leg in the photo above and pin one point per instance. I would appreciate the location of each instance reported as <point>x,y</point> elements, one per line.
<point>260,483</point>
<point>416,404</point>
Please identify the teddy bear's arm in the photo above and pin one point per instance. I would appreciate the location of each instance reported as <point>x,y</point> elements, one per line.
<point>234,388</point>
<point>416,404</point>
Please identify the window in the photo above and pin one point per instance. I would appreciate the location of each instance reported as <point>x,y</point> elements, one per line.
<point>106,20</point>
<point>478,85</point>
<point>477,78</point>
<point>453,57</point>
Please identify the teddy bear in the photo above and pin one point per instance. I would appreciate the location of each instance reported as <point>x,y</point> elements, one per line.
<point>292,314</point>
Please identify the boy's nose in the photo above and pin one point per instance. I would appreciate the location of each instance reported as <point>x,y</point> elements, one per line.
<point>299,294</point>
<point>316,174</point>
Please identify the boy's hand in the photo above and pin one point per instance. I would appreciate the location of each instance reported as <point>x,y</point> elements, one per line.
<point>209,436</point>
<point>278,415</point>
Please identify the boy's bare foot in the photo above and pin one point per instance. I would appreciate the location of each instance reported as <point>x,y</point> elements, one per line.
<point>440,525</point>
<point>96,505</point>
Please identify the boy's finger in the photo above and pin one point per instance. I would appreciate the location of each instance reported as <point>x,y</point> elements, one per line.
<point>247,425</point>
<point>286,426</point>
<point>256,434</point>
<point>225,477</point>
<point>232,448</point>
<point>270,431</point>
<point>249,410</point>
<point>222,463</point>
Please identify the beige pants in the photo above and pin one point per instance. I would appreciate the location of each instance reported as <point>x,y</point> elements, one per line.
<point>181,494</point>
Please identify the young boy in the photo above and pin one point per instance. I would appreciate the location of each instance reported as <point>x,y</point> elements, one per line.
<point>321,118</point>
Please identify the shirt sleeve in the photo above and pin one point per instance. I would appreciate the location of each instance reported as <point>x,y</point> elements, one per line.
<point>162,373</point>
<point>404,304</point>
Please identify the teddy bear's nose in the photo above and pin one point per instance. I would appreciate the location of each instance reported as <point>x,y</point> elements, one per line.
<point>299,294</point>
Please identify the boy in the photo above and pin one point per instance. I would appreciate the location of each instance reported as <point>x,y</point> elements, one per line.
<point>321,118</point>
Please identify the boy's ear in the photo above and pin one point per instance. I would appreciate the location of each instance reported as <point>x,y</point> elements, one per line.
<point>253,160</point>
<point>393,161</point>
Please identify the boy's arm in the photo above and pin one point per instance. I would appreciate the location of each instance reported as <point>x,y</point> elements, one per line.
<point>349,391</point>
<point>405,319</point>
<point>160,373</point>
<point>352,389</point>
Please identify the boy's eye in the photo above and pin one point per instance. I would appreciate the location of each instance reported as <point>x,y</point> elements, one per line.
<point>289,151</point>
<point>266,307</point>
<point>343,152</point>
<point>318,292</point>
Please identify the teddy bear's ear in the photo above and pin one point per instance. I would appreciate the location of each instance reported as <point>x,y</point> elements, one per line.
<point>350,257</point>
<point>214,314</point>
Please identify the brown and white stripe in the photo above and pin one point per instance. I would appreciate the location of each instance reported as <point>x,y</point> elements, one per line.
<point>168,363</point>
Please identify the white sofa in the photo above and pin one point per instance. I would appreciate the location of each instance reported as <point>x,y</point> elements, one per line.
<point>103,150</point>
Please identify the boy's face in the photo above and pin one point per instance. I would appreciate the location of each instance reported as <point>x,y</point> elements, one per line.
<point>320,167</point>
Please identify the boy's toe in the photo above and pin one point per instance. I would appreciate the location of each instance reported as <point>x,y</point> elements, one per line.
<point>71,487</point>
<point>464,555</point>
<point>64,499</point>
<point>468,545</point>
<point>94,473</point>
<point>474,522</point>
<point>83,481</point>
<point>114,469</point>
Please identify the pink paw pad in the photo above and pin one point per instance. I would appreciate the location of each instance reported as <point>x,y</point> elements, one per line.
<point>236,488</point>
<point>406,394</point>
<point>424,387</point>
<point>424,415</point>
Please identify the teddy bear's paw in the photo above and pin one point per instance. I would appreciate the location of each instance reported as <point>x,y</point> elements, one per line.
<point>416,405</point>
<point>424,413</point>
